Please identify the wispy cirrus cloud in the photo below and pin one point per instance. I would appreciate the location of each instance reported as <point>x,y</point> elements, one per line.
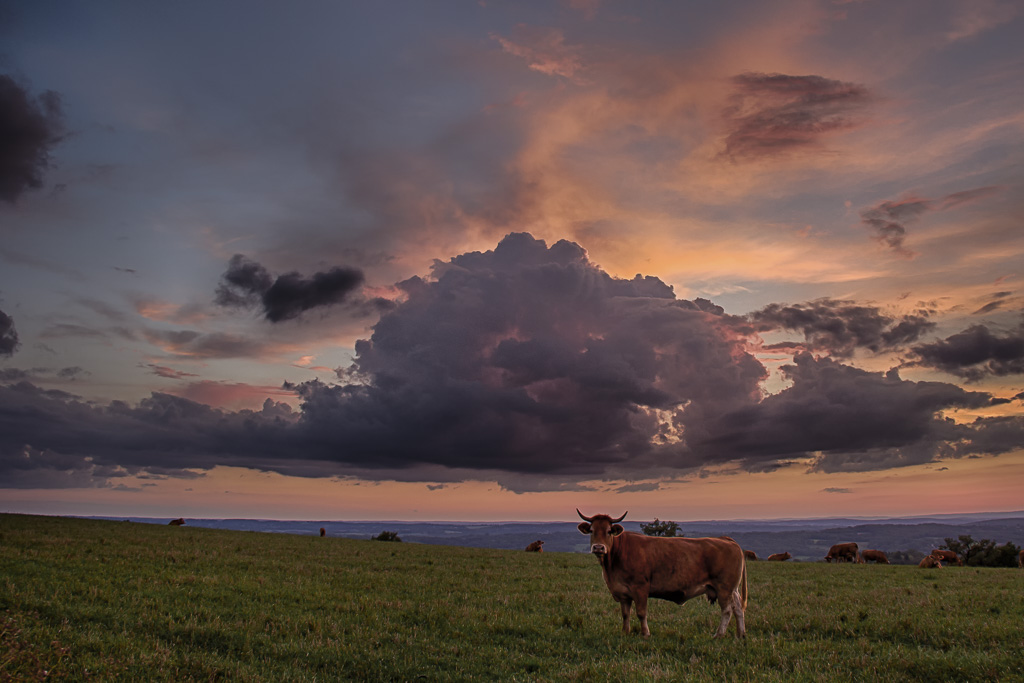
<point>544,49</point>
<point>889,219</point>
<point>773,114</point>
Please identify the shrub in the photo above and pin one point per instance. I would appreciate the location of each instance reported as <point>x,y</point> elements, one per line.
<point>387,536</point>
<point>657,528</point>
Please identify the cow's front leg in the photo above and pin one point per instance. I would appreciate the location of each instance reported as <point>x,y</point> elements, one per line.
<point>626,604</point>
<point>641,612</point>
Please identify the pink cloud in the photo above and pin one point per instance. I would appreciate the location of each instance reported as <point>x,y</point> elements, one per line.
<point>232,395</point>
<point>544,50</point>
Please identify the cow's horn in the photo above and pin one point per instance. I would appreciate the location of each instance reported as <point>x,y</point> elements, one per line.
<point>616,521</point>
<point>583,516</point>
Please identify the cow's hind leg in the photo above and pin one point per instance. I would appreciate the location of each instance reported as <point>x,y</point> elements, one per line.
<point>741,627</point>
<point>731,603</point>
<point>626,604</point>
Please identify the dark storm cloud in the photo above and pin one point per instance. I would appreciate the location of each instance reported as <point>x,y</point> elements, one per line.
<point>889,219</point>
<point>973,354</point>
<point>29,128</point>
<point>8,335</point>
<point>840,327</point>
<point>771,114</point>
<point>56,432</point>
<point>529,365</point>
<point>851,415</point>
<point>247,283</point>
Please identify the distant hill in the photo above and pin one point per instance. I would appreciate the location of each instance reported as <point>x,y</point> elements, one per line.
<point>806,540</point>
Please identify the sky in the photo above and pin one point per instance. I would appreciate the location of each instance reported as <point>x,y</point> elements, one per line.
<point>501,260</point>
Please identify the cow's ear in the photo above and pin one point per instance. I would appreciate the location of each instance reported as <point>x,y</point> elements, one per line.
<point>617,529</point>
<point>584,528</point>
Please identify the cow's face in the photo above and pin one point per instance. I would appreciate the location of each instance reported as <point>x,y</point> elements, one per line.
<point>602,530</point>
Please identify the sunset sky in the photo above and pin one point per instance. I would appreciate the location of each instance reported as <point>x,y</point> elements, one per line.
<point>499,260</point>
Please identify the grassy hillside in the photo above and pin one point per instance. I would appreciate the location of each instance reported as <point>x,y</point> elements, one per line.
<point>84,599</point>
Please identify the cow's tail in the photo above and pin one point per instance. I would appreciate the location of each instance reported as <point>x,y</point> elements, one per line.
<point>743,583</point>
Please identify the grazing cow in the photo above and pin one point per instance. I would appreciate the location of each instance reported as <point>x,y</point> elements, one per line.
<point>842,552</point>
<point>779,557</point>
<point>535,547</point>
<point>637,567</point>
<point>323,532</point>
<point>930,562</point>
<point>176,522</point>
<point>947,556</point>
<point>873,556</point>
<point>750,554</point>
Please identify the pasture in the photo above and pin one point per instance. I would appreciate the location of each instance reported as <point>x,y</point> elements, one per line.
<point>95,600</point>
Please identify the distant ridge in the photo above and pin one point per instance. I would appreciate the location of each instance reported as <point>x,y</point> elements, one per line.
<point>806,539</point>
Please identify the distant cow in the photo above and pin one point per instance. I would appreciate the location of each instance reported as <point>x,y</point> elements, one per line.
<point>930,562</point>
<point>176,522</point>
<point>535,547</point>
<point>947,556</point>
<point>779,557</point>
<point>842,552</point>
<point>750,554</point>
<point>873,556</point>
<point>323,532</point>
<point>637,567</point>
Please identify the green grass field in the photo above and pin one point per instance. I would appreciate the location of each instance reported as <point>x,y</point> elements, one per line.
<point>95,600</point>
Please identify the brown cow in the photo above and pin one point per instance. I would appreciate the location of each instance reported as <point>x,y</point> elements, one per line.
<point>779,557</point>
<point>947,556</point>
<point>535,547</point>
<point>176,522</point>
<point>323,532</point>
<point>873,556</point>
<point>930,562</point>
<point>637,567</point>
<point>750,554</point>
<point>842,552</point>
<point>1020,559</point>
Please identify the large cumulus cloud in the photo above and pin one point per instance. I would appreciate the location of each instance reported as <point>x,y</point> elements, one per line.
<point>530,365</point>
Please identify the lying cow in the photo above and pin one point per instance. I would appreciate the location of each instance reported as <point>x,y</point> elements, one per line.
<point>779,557</point>
<point>638,567</point>
<point>535,547</point>
<point>176,522</point>
<point>750,554</point>
<point>842,552</point>
<point>930,562</point>
<point>947,556</point>
<point>873,556</point>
